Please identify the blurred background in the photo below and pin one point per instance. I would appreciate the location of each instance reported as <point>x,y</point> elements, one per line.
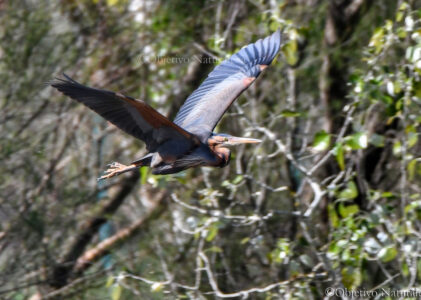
<point>331,198</point>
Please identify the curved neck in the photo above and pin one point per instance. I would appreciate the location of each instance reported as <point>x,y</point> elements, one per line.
<point>223,154</point>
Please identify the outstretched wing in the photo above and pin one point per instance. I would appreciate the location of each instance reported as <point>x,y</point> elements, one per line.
<point>133,116</point>
<point>205,106</point>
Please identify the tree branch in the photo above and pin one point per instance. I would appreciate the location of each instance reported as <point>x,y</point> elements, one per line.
<point>64,269</point>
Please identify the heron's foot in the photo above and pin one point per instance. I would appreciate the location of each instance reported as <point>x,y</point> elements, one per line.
<point>115,169</point>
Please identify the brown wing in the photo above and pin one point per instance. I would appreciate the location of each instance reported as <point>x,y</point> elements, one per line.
<point>131,115</point>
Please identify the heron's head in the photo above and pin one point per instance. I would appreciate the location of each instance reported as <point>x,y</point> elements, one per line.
<point>220,142</point>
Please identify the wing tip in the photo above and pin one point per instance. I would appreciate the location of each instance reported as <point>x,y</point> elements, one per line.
<point>277,34</point>
<point>271,46</point>
<point>59,82</point>
<point>274,41</point>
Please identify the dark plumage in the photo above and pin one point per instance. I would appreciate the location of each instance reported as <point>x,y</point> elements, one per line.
<point>189,140</point>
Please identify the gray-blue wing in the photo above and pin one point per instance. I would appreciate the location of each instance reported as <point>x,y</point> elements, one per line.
<point>205,106</point>
<point>133,116</point>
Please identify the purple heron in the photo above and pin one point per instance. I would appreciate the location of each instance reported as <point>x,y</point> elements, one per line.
<point>188,141</point>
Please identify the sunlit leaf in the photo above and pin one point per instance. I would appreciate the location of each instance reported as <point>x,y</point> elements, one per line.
<point>144,174</point>
<point>348,210</point>
<point>387,195</point>
<point>401,33</point>
<point>112,2</point>
<point>116,292</point>
<point>157,286</point>
<point>411,206</point>
<point>404,5</point>
<point>351,277</point>
<point>214,249</point>
<point>397,148</point>
<point>110,281</point>
<point>387,254</point>
<point>321,141</point>
<point>412,168</point>
<point>350,192</point>
<point>290,51</point>
<point>213,231</point>
<point>377,40</point>
<point>412,135</point>
<point>357,141</point>
<point>399,16</point>
<point>290,113</point>
<point>237,179</point>
<point>333,217</point>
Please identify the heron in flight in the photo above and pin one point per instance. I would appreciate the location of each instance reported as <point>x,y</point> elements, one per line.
<point>188,141</point>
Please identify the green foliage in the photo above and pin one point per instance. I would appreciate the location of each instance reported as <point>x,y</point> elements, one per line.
<point>357,141</point>
<point>282,251</point>
<point>338,150</point>
<point>350,192</point>
<point>321,141</point>
<point>116,292</point>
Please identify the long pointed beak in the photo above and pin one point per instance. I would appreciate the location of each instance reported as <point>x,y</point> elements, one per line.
<point>233,140</point>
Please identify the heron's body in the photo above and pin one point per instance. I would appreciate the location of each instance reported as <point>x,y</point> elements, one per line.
<point>189,141</point>
<point>168,162</point>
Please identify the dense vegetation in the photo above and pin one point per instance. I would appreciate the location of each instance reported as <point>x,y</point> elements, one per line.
<point>330,199</point>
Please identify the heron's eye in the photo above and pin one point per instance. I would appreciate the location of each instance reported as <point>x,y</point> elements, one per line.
<point>226,139</point>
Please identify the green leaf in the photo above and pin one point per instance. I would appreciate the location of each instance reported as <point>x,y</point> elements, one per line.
<point>357,141</point>
<point>116,292</point>
<point>237,179</point>
<point>290,52</point>
<point>143,174</point>
<point>112,2</point>
<point>401,33</point>
<point>110,281</point>
<point>412,135</point>
<point>387,195</point>
<point>306,260</point>
<point>397,148</point>
<point>338,151</point>
<point>333,217</point>
<point>321,141</point>
<point>405,269</point>
<point>412,168</point>
<point>387,254</point>
<point>213,231</point>
<point>290,113</point>
<point>157,286</point>
<point>377,140</point>
<point>377,40</point>
<point>417,88</point>
<point>409,53</point>
<point>348,210</point>
<point>412,206</point>
<point>351,277</point>
<point>389,25</point>
<point>399,16</point>
<point>214,249</point>
<point>403,6</point>
<point>225,183</point>
<point>350,192</point>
